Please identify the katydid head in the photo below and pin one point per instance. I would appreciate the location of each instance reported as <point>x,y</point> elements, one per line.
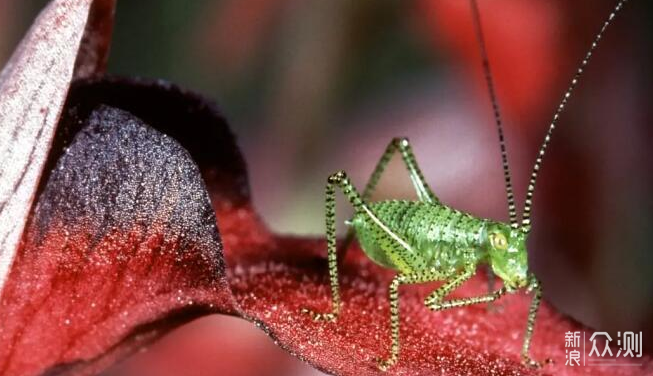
<point>506,247</point>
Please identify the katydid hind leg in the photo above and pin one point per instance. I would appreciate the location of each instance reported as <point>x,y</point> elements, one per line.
<point>401,145</point>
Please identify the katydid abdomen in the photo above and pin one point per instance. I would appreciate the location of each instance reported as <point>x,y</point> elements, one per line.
<point>438,237</point>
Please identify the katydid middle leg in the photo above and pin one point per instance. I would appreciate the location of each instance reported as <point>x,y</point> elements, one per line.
<point>401,279</point>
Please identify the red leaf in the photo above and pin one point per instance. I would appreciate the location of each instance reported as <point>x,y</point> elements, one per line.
<point>123,246</point>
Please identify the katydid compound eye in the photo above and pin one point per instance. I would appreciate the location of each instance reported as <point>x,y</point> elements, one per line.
<point>499,241</point>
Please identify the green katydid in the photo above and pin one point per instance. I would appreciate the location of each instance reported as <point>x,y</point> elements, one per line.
<point>425,240</point>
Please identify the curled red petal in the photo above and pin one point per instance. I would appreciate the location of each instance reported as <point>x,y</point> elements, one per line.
<point>121,246</point>
<point>33,87</point>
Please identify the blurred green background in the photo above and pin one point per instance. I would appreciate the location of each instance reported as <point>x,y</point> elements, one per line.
<point>313,86</point>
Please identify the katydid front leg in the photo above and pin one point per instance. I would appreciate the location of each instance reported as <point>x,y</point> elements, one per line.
<point>340,180</point>
<point>536,288</point>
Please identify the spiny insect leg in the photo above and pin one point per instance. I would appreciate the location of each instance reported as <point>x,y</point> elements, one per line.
<point>338,179</point>
<point>394,311</point>
<point>491,281</point>
<point>536,287</point>
<point>424,192</point>
<point>462,302</point>
<point>435,301</point>
<point>402,145</point>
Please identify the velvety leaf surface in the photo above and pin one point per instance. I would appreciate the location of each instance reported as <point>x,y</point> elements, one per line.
<point>123,246</point>
<point>213,345</point>
<point>123,235</point>
<point>190,119</point>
